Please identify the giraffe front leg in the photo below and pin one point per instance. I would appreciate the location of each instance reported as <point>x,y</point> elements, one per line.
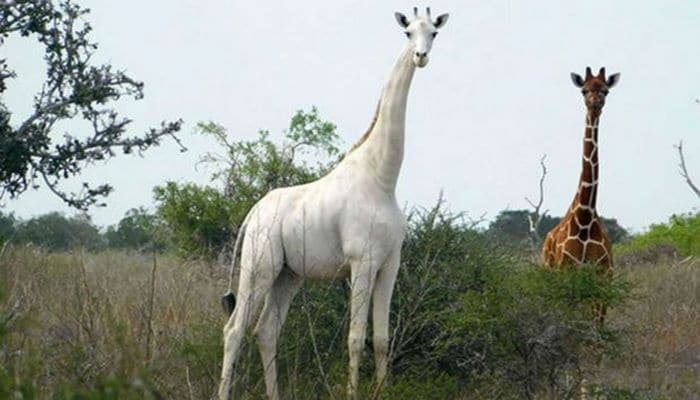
<point>381,301</point>
<point>362,282</point>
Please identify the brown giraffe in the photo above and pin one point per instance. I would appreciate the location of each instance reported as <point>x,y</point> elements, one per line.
<point>580,237</point>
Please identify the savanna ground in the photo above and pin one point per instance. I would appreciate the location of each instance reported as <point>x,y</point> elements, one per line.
<point>117,324</point>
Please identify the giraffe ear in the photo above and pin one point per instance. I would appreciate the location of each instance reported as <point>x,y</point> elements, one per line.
<point>612,80</point>
<point>576,79</point>
<point>441,20</point>
<point>401,19</point>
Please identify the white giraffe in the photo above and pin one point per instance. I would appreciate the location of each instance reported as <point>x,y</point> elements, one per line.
<point>348,223</point>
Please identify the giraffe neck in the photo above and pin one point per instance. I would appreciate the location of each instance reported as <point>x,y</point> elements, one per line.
<point>384,145</point>
<point>588,184</point>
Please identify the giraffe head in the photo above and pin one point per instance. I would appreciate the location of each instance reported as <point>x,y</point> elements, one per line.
<point>595,88</point>
<point>421,32</point>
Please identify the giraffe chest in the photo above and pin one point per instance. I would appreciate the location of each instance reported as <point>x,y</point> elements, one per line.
<point>581,240</point>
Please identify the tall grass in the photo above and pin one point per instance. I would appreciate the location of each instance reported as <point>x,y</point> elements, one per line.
<point>106,325</point>
<point>84,325</point>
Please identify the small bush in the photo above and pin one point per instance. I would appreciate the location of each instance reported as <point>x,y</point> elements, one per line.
<point>679,237</point>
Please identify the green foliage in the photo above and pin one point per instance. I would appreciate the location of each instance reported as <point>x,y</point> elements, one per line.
<point>617,233</point>
<point>54,231</point>
<point>442,257</point>
<point>250,169</point>
<point>511,227</point>
<point>530,328</point>
<point>203,219</point>
<point>438,387</point>
<point>138,230</point>
<point>201,349</point>
<point>198,218</point>
<point>616,393</point>
<point>75,88</point>
<point>681,234</point>
<point>111,388</point>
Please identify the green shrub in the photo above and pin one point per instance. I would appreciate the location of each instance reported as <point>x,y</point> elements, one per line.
<point>680,236</point>
<point>531,329</point>
<point>437,387</point>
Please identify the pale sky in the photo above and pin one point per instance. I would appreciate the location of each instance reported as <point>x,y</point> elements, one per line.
<point>495,96</point>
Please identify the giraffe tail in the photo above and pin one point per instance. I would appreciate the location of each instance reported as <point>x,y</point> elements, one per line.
<point>228,300</point>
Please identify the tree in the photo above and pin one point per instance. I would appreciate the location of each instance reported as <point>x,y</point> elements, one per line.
<point>203,219</point>
<point>74,89</point>
<point>54,231</point>
<point>198,218</point>
<point>513,227</point>
<point>250,169</point>
<point>616,232</point>
<point>138,230</point>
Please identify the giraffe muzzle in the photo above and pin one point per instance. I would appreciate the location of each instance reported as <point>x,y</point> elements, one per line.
<point>420,59</point>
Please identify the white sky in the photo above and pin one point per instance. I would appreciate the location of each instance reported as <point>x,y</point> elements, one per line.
<point>495,96</point>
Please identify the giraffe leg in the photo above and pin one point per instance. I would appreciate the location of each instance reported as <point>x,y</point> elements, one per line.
<point>261,263</point>
<point>235,329</point>
<point>270,324</point>
<point>381,301</point>
<point>361,285</point>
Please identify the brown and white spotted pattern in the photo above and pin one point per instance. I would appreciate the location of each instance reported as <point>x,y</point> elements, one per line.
<point>581,238</point>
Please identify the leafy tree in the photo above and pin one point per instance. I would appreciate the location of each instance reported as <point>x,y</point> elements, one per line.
<point>56,232</point>
<point>75,88</point>
<point>203,219</point>
<point>616,232</point>
<point>198,218</point>
<point>253,168</point>
<point>512,226</point>
<point>138,230</point>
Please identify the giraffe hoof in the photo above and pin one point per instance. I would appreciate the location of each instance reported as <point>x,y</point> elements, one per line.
<point>228,302</point>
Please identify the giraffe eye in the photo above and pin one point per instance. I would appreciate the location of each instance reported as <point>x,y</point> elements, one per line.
<point>434,34</point>
<point>584,91</point>
<point>408,34</point>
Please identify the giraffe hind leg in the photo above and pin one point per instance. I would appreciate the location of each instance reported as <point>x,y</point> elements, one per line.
<point>260,268</point>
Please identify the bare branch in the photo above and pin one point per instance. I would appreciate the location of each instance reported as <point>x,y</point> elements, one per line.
<point>535,217</point>
<point>682,168</point>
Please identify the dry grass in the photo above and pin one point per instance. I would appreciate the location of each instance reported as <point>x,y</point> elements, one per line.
<point>85,320</point>
<point>660,350</point>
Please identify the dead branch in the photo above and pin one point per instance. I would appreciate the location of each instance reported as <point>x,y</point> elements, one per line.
<point>535,217</point>
<point>683,170</point>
